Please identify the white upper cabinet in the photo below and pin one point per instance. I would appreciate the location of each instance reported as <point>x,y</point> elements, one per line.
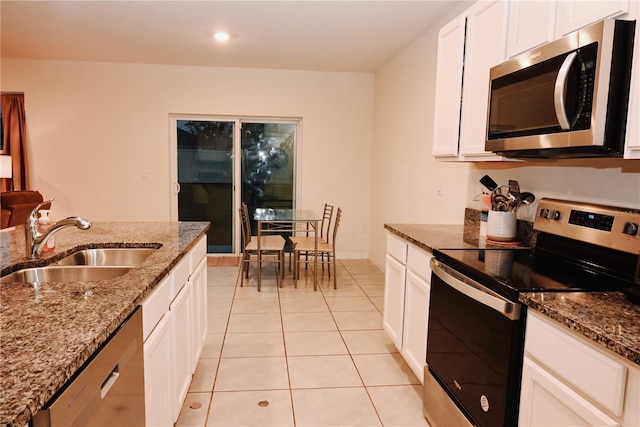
<point>449,88</point>
<point>632,146</point>
<point>575,14</point>
<point>531,23</point>
<point>467,48</point>
<point>485,47</point>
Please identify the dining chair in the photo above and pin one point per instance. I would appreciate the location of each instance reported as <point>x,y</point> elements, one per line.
<point>327,248</point>
<point>325,226</point>
<point>271,248</point>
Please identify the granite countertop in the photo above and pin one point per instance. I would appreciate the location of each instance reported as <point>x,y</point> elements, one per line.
<point>444,236</point>
<point>606,318</point>
<point>46,334</point>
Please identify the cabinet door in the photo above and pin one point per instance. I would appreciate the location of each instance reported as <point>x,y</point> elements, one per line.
<point>575,14</point>
<point>157,376</point>
<point>394,286</point>
<point>198,284</point>
<point>531,23</point>
<point>632,141</point>
<point>546,401</point>
<point>485,47</point>
<point>416,317</point>
<point>448,97</point>
<point>181,330</point>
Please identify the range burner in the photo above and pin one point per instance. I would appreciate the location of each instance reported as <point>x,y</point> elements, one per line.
<point>579,247</point>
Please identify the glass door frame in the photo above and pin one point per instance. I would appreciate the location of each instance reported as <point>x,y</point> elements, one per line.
<point>174,186</point>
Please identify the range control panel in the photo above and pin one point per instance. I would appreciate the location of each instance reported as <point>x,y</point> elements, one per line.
<point>614,227</point>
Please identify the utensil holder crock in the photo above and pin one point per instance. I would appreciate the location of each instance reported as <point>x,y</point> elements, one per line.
<point>501,226</point>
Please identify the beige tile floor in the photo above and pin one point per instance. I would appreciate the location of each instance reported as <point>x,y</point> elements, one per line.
<point>295,357</point>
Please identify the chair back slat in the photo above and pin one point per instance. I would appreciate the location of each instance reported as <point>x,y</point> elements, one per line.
<point>325,225</point>
<point>246,224</point>
<point>336,224</point>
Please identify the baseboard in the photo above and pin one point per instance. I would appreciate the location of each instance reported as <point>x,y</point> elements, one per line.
<point>222,260</point>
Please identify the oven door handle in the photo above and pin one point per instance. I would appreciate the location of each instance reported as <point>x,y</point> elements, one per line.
<point>475,290</point>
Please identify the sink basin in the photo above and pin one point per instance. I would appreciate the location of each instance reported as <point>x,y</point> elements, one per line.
<point>125,257</point>
<point>64,274</point>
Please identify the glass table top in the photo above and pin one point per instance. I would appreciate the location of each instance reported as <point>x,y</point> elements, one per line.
<point>269,214</point>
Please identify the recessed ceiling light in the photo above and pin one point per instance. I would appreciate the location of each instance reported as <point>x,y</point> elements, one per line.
<point>221,36</point>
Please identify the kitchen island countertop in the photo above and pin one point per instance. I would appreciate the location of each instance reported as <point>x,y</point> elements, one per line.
<point>606,318</point>
<point>48,333</point>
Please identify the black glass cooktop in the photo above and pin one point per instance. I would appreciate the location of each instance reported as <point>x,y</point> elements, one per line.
<point>511,271</point>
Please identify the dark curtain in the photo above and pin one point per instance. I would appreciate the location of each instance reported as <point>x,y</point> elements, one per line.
<point>15,138</point>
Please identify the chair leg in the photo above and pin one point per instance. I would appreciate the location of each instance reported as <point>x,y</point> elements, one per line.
<point>243,267</point>
<point>335,273</point>
<point>280,268</point>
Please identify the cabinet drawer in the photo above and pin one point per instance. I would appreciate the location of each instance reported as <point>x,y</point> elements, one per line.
<point>397,248</point>
<point>198,252</point>
<point>179,275</point>
<point>418,262</point>
<point>154,306</point>
<point>584,367</point>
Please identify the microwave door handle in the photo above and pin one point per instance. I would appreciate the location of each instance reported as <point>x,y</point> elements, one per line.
<point>559,89</point>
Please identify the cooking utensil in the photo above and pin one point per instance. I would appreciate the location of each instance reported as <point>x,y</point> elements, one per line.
<point>488,182</point>
<point>526,198</point>
<point>514,192</point>
<point>499,202</point>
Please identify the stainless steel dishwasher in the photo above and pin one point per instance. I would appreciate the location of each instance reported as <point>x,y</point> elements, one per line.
<point>108,390</point>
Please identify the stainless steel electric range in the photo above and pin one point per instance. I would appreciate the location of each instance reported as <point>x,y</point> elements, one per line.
<point>476,324</point>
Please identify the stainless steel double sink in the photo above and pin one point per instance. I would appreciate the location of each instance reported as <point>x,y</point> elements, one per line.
<point>86,265</point>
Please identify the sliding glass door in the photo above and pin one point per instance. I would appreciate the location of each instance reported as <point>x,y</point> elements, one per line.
<point>217,156</point>
<point>267,174</point>
<point>205,178</point>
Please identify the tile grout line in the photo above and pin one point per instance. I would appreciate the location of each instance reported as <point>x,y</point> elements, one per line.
<point>215,378</point>
<point>345,342</point>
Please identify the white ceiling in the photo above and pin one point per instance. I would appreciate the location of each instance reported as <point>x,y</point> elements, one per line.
<point>352,36</point>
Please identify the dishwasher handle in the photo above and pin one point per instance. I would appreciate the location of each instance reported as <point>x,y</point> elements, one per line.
<point>475,290</point>
<point>110,381</point>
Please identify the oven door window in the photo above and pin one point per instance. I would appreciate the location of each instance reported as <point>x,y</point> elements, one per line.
<point>476,354</point>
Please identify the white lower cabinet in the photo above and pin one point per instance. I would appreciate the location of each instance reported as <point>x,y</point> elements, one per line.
<point>394,290</point>
<point>181,346</point>
<point>175,326</point>
<point>198,283</point>
<point>416,317</point>
<point>551,403</point>
<point>569,381</point>
<point>157,378</point>
<point>406,301</point>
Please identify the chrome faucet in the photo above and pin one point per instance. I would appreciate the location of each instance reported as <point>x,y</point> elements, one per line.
<point>35,240</point>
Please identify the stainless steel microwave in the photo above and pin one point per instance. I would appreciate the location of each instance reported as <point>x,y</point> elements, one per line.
<point>566,98</point>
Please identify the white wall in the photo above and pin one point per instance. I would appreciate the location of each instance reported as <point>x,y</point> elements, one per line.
<point>408,186</point>
<point>94,127</point>
<point>614,182</point>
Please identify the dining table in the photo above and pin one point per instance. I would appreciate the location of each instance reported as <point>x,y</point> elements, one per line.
<point>287,221</point>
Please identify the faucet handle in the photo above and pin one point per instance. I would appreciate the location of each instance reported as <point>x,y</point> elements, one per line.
<point>32,219</point>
